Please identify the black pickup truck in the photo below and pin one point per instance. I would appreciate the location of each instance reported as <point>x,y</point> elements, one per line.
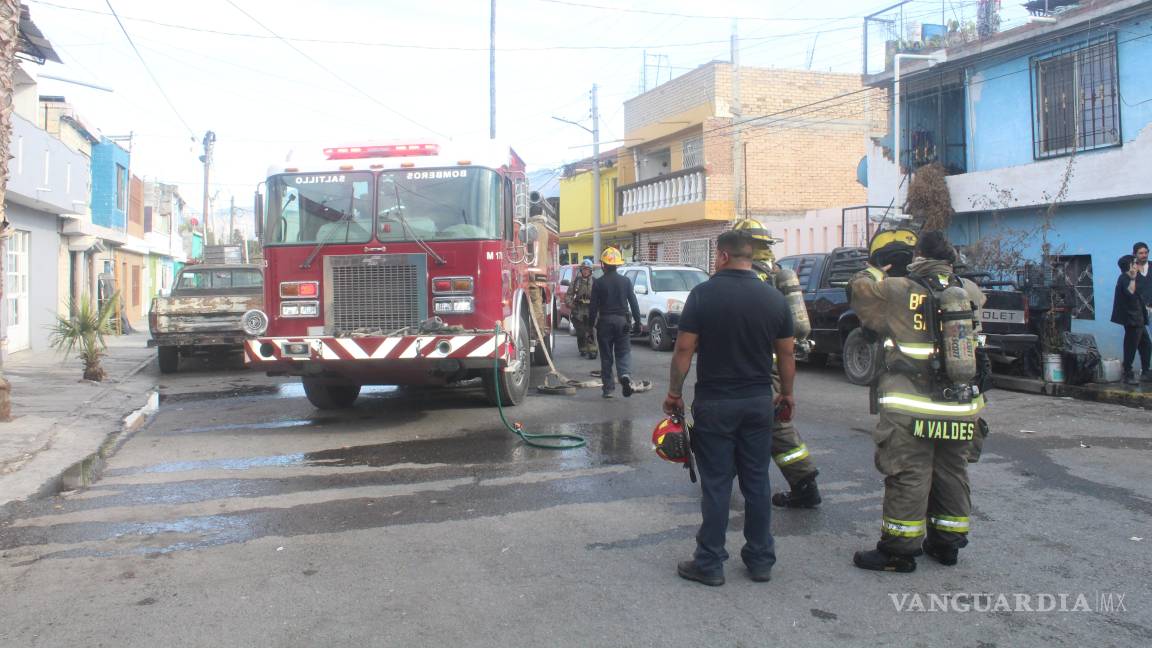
<point>1007,319</point>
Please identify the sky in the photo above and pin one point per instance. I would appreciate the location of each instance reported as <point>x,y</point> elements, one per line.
<point>274,79</point>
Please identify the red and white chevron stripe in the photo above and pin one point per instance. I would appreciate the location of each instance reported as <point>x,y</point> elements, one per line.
<point>405,347</point>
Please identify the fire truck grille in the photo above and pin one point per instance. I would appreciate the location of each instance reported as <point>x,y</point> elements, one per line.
<point>375,293</point>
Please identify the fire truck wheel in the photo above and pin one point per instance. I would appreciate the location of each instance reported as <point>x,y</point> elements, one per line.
<point>327,396</point>
<point>513,384</point>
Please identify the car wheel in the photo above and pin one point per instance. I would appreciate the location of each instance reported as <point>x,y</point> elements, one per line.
<point>168,357</point>
<point>861,358</point>
<point>658,337</point>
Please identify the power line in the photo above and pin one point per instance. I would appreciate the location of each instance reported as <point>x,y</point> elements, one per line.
<point>339,78</point>
<point>395,45</point>
<point>149,70</point>
<point>652,12</point>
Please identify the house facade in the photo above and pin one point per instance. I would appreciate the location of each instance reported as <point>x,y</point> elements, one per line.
<point>699,156</point>
<point>576,209</point>
<point>1046,132</point>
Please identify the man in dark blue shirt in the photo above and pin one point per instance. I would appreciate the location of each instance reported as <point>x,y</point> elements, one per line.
<point>733,322</point>
<point>612,301</point>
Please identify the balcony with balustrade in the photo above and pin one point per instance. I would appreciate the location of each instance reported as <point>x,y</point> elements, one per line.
<point>674,197</point>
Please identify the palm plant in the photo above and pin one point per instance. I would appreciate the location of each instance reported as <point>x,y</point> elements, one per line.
<point>84,330</point>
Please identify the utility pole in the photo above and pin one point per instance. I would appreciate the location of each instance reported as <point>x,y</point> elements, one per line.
<point>596,249</point>
<point>231,221</point>
<point>595,130</point>
<point>209,143</point>
<point>737,112</point>
<point>492,74</point>
<point>644,74</point>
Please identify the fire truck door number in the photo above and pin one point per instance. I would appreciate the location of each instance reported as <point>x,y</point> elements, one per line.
<point>495,255</point>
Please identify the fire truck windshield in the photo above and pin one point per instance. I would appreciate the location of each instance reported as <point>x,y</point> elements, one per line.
<point>455,203</point>
<point>319,208</point>
<point>439,204</point>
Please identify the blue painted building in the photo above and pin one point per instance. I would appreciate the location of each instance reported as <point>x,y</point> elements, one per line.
<point>1046,130</point>
<point>110,164</point>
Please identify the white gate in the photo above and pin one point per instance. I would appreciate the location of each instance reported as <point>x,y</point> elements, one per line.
<point>16,291</point>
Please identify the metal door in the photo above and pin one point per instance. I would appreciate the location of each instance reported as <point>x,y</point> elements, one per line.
<point>16,291</point>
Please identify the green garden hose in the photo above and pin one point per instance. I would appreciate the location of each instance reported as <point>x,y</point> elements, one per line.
<point>566,441</point>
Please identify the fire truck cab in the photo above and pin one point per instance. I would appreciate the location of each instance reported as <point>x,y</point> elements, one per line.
<point>403,264</point>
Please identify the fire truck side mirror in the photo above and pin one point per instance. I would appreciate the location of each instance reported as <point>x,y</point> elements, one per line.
<point>258,216</point>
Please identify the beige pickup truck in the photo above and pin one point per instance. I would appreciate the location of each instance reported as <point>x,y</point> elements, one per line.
<point>204,311</point>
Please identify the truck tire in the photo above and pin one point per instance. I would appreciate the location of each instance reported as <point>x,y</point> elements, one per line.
<point>513,385</point>
<point>861,358</point>
<point>658,337</point>
<point>326,396</point>
<point>168,357</point>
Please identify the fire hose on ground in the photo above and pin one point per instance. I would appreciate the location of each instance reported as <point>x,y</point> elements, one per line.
<point>565,441</point>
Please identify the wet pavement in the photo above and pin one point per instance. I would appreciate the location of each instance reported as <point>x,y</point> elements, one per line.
<point>415,518</point>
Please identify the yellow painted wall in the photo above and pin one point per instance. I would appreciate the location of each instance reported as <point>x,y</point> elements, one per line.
<point>576,201</point>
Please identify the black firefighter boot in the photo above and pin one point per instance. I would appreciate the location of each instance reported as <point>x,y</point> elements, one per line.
<point>804,494</point>
<point>944,554</point>
<point>877,560</point>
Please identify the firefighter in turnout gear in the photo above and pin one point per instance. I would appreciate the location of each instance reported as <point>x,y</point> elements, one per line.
<point>928,404</point>
<point>578,298</point>
<point>788,450</point>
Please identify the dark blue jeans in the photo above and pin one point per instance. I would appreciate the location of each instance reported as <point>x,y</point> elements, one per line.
<point>733,438</point>
<point>615,342</point>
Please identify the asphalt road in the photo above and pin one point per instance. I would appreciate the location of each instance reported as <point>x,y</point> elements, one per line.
<point>243,517</point>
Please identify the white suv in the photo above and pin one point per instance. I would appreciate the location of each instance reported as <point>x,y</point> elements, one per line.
<point>661,290</point>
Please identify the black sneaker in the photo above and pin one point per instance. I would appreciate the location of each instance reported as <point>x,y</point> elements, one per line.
<point>689,571</point>
<point>626,386</point>
<point>1146,375</point>
<point>944,555</point>
<point>804,494</point>
<point>607,395</point>
<point>1130,378</point>
<point>877,560</point>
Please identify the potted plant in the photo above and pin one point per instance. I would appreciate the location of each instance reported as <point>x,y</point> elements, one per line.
<point>84,331</point>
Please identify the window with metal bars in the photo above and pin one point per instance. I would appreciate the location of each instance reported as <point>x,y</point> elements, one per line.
<point>1076,99</point>
<point>697,253</point>
<point>694,152</point>
<point>1075,271</point>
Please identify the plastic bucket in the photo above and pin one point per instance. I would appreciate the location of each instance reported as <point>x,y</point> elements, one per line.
<point>1053,368</point>
<point>1109,371</point>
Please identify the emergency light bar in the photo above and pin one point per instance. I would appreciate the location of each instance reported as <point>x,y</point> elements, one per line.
<point>381,150</point>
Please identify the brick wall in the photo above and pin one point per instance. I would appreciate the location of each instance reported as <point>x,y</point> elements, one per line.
<point>663,246</point>
<point>678,95</point>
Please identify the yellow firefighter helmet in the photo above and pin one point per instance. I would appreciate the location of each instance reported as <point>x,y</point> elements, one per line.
<point>887,237</point>
<point>763,237</point>
<point>612,257</point>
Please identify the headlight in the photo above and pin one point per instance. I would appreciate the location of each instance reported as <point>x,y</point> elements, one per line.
<point>453,305</point>
<point>675,305</point>
<point>299,309</point>
<point>254,322</point>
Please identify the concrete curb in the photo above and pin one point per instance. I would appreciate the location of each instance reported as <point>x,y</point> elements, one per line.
<point>86,471</point>
<point>1096,393</point>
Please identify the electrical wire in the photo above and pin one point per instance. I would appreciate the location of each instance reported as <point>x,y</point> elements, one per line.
<point>148,69</point>
<point>653,12</point>
<point>333,74</point>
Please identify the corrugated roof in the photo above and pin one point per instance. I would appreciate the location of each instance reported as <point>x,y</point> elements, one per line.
<point>32,41</point>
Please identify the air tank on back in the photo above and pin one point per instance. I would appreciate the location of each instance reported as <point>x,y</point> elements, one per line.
<point>788,284</point>
<point>959,352</point>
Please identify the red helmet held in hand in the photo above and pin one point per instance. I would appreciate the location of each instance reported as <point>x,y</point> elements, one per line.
<point>670,440</point>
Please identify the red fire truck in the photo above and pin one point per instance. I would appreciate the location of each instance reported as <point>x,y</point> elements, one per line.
<point>403,264</point>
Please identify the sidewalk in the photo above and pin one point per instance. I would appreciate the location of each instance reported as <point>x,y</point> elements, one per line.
<point>61,423</point>
<point>1138,396</point>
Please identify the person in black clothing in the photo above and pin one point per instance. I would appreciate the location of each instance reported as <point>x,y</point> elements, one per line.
<point>1144,278</point>
<point>733,322</point>
<point>612,298</point>
<point>1130,311</point>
